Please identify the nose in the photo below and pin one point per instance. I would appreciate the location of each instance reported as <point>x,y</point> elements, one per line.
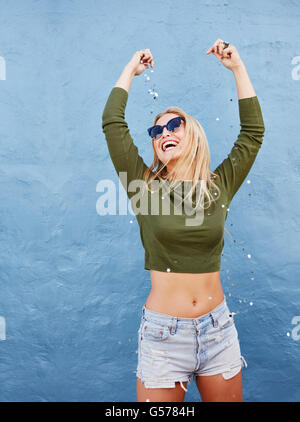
<point>163,132</point>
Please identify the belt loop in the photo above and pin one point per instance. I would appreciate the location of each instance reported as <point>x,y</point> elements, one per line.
<point>214,320</point>
<point>173,327</point>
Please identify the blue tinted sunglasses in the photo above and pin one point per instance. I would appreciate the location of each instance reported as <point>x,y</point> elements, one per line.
<point>156,131</point>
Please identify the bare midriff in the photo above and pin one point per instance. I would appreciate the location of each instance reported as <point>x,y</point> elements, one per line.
<point>184,295</point>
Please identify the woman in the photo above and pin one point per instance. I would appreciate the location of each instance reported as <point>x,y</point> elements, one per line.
<point>186,327</point>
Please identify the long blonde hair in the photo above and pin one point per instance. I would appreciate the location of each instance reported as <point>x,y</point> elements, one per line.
<point>196,155</point>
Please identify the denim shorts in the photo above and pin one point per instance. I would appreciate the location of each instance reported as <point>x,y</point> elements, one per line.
<point>172,349</point>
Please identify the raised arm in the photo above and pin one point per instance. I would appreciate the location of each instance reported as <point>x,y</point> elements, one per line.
<point>234,169</point>
<point>123,152</point>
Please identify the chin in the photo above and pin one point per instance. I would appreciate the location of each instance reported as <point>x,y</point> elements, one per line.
<point>164,157</point>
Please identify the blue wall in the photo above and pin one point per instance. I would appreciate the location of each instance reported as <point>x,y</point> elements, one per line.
<point>73,282</point>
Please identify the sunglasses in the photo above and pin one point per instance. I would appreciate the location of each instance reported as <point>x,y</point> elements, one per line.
<point>156,131</point>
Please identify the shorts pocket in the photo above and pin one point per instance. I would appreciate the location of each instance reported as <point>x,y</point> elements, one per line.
<point>154,348</point>
<point>155,331</point>
<point>222,329</point>
<point>225,320</point>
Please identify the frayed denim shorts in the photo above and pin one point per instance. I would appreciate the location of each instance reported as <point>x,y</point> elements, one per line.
<point>172,349</point>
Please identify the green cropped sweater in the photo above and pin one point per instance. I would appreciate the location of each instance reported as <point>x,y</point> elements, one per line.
<point>175,242</point>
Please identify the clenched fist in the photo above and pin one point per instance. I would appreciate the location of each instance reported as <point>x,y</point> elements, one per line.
<point>229,56</point>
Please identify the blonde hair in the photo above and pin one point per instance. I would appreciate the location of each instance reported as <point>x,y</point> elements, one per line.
<point>196,155</point>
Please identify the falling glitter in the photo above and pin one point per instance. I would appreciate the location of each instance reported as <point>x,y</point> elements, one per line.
<point>130,221</point>
<point>217,118</point>
<point>152,90</point>
<point>168,269</point>
<point>249,256</point>
<point>288,334</point>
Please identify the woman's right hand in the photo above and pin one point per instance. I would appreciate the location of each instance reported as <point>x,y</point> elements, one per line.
<point>139,61</point>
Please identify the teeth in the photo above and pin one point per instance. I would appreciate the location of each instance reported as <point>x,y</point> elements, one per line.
<point>168,143</point>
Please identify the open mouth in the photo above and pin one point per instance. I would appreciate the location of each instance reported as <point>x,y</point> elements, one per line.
<point>166,145</point>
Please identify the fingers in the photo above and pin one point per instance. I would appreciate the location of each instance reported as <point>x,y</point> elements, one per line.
<point>217,48</point>
<point>146,57</point>
<point>227,52</point>
<point>213,48</point>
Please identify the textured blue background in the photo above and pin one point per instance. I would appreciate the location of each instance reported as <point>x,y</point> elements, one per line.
<point>73,282</point>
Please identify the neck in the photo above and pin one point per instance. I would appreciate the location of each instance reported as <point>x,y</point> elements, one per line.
<point>182,175</point>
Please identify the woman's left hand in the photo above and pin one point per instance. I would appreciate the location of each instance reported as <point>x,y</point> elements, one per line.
<point>229,56</point>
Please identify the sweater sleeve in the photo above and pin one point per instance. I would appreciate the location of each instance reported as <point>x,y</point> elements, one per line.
<point>123,152</point>
<point>235,167</point>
